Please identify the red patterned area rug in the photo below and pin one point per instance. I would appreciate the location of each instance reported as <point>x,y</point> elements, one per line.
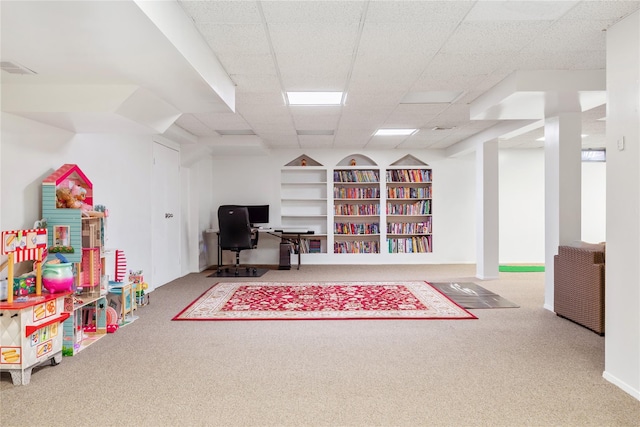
<point>323,300</point>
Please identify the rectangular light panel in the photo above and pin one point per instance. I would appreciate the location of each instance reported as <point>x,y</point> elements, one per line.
<point>314,98</point>
<point>395,132</point>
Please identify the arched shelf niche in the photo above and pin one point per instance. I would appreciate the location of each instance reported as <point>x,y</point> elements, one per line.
<point>303,160</point>
<point>409,160</point>
<point>358,159</point>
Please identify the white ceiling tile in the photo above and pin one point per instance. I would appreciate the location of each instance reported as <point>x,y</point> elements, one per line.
<point>259,83</point>
<point>519,10</point>
<point>385,142</point>
<point>418,11</point>
<point>611,11</point>
<point>316,122</point>
<point>222,11</point>
<point>417,40</point>
<point>326,12</point>
<point>265,100</point>
<point>494,36</point>
<point>314,72</point>
<point>316,141</point>
<point>235,38</point>
<point>395,48</point>
<point>379,100</point>
<point>338,39</point>
<point>248,64</point>
<point>568,36</point>
<point>352,137</point>
<point>282,141</point>
<point>357,120</point>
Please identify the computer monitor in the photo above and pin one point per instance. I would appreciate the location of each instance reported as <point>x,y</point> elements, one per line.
<point>258,214</point>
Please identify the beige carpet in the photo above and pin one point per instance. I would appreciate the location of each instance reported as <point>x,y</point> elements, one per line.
<point>515,367</point>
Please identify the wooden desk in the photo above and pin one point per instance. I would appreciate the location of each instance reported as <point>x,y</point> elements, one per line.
<point>292,235</point>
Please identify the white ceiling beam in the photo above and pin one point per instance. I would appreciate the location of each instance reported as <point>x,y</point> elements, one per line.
<point>494,132</point>
<point>171,20</point>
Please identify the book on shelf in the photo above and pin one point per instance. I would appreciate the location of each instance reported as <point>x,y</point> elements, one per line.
<point>409,175</point>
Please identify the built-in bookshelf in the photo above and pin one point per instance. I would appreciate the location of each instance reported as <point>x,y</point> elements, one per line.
<point>356,209</point>
<point>376,212</point>
<point>408,208</point>
<point>303,198</point>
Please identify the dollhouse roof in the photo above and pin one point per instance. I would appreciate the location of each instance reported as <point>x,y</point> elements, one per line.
<point>68,171</point>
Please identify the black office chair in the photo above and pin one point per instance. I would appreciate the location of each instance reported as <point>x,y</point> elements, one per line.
<point>235,232</point>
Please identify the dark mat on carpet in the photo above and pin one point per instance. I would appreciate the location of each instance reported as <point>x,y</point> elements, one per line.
<point>242,272</point>
<point>471,295</point>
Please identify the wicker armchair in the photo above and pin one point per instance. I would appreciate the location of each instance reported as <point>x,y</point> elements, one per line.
<point>579,285</point>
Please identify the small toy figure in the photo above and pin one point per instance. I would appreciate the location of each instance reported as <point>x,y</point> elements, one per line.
<point>303,162</point>
<point>352,162</point>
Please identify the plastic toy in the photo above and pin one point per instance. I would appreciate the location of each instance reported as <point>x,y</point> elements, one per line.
<point>57,276</point>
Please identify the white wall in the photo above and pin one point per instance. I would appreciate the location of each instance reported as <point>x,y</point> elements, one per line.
<point>256,180</point>
<point>119,166</point>
<point>522,205</point>
<point>594,202</point>
<point>521,200</point>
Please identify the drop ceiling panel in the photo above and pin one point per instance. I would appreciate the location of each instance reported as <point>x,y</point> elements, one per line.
<point>237,12</point>
<point>368,99</point>
<point>235,38</point>
<point>316,122</point>
<point>259,83</point>
<point>536,60</point>
<point>404,47</point>
<point>326,39</point>
<point>316,141</point>
<point>248,64</point>
<point>352,137</point>
<point>571,36</point>
<point>247,100</point>
<point>424,12</point>
<point>519,10</point>
<point>601,10</point>
<point>278,140</point>
<point>311,72</point>
<point>463,65</point>
<point>417,40</point>
<point>327,12</point>
<point>494,37</point>
<point>356,120</point>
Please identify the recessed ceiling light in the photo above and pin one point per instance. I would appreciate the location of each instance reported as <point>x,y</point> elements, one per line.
<point>314,98</point>
<point>236,132</point>
<point>315,132</point>
<point>395,132</point>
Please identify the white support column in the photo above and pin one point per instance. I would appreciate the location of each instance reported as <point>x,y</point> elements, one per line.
<point>487,206</point>
<point>563,177</point>
<point>622,289</point>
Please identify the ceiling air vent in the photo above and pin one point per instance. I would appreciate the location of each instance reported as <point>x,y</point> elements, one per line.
<point>14,68</point>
